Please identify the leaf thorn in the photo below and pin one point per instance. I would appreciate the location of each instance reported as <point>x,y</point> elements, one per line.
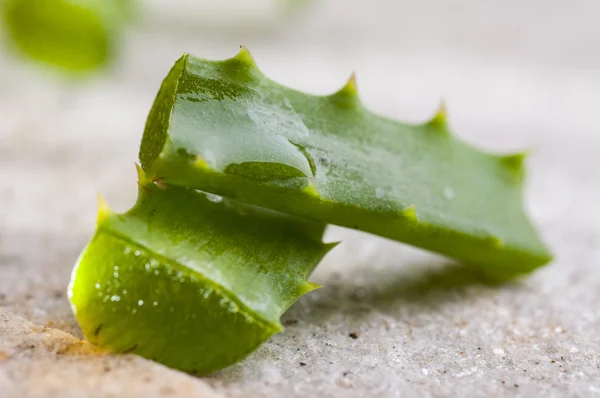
<point>141,175</point>
<point>311,190</point>
<point>439,120</point>
<point>310,286</point>
<point>410,213</point>
<point>201,163</point>
<point>496,242</point>
<point>350,89</point>
<point>515,161</point>
<point>347,96</point>
<point>351,84</point>
<point>245,56</point>
<point>104,210</point>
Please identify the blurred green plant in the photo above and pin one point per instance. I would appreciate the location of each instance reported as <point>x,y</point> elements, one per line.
<point>73,35</point>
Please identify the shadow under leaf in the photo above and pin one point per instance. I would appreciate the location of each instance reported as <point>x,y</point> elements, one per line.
<point>425,286</point>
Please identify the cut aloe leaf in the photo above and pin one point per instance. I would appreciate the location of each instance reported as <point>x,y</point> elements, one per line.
<point>75,35</point>
<point>225,128</point>
<point>190,282</point>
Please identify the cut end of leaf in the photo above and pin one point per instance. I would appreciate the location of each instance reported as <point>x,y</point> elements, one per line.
<point>179,321</point>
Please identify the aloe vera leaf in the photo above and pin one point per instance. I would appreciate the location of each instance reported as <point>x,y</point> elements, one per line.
<point>225,128</point>
<point>188,282</point>
<point>74,35</point>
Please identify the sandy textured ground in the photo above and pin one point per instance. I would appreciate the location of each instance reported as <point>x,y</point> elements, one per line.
<point>423,326</point>
<point>43,361</point>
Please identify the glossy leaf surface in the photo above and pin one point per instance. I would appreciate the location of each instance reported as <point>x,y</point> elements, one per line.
<point>192,283</point>
<point>225,128</point>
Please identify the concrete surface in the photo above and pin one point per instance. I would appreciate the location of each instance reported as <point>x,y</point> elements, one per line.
<point>420,325</point>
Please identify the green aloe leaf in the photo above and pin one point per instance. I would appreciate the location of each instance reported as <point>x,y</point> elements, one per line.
<point>191,281</point>
<point>75,35</point>
<point>225,128</point>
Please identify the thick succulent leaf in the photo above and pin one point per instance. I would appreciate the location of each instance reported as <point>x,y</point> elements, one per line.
<point>193,282</point>
<point>75,35</point>
<point>225,128</point>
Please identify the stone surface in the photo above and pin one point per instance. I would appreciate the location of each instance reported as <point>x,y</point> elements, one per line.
<point>38,361</point>
<point>391,320</point>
